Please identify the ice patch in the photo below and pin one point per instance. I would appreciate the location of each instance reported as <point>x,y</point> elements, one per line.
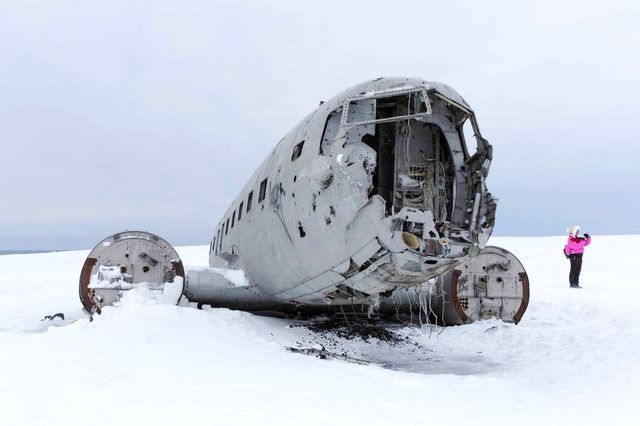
<point>236,276</point>
<point>150,293</point>
<point>110,277</point>
<point>172,292</point>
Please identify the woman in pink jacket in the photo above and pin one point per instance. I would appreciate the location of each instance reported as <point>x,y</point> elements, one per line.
<point>574,249</point>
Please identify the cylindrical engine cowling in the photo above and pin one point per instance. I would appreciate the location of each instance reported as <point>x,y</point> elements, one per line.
<point>493,284</point>
<point>126,260</point>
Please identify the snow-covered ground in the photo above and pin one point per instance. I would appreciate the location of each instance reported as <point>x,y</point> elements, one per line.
<point>574,358</point>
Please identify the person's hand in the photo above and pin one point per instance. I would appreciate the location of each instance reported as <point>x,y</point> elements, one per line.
<point>586,235</point>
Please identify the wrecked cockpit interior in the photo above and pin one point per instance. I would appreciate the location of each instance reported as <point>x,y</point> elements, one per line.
<point>418,158</point>
<point>393,167</point>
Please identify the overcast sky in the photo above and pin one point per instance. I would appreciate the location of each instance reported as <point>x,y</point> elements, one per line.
<point>153,114</point>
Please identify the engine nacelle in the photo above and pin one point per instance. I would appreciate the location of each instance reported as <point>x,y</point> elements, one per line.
<point>127,260</point>
<point>493,284</point>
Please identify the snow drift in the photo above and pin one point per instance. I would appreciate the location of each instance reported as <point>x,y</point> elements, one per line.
<point>573,359</point>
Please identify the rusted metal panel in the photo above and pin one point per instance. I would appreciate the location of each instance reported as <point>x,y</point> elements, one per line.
<point>123,261</point>
<point>492,284</point>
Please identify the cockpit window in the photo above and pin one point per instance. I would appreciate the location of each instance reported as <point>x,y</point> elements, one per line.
<point>469,137</point>
<point>410,103</point>
<point>330,131</point>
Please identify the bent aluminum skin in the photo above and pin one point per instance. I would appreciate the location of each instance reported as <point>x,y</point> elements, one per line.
<point>372,192</point>
<point>493,284</point>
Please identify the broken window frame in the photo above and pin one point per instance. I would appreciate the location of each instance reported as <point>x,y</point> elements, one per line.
<point>384,95</point>
<point>468,115</point>
<point>297,151</point>
<point>328,121</point>
<point>263,190</point>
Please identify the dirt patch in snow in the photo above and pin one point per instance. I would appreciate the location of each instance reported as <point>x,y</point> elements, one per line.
<point>354,330</point>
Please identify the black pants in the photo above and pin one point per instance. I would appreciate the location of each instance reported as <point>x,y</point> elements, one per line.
<point>576,266</point>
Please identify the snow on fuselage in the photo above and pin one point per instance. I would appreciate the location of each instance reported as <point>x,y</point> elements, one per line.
<point>372,191</point>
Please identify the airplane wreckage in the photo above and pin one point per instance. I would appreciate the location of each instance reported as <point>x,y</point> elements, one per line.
<point>371,204</point>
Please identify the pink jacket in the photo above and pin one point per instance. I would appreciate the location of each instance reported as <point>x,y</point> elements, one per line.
<point>576,245</point>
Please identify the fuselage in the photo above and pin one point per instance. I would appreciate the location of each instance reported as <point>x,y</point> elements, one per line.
<point>374,190</point>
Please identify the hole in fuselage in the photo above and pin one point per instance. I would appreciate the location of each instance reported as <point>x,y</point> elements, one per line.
<point>414,164</point>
